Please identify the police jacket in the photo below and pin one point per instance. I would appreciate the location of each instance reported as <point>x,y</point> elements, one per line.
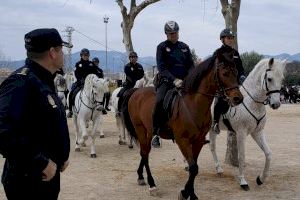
<point>173,60</point>
<point>237,60</point>
<point>133,73</point>
<point>33,125</point>
<point>85,67</point>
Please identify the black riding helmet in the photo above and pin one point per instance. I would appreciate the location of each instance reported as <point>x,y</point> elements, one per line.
<point>95,59</point>
<point>226,33</point>
<point>84,51</point>
<point>133,54</point>
<point>171,27</point>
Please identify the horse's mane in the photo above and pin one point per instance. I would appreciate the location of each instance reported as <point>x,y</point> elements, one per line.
<point>193,79</point>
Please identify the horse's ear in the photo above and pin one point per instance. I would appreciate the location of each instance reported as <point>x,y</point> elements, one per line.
<point>271,62</point>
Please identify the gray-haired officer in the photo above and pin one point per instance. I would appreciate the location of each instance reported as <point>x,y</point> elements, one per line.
<point>221,106</point>
<point>174,61</point>
<point>34,136</point>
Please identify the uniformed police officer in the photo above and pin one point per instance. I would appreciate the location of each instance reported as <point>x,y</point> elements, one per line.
<point>107,95</point>
<point>221,106</point>
<point>174,60</point>
<point>134,71</point>
<point>34,136</point>
<point>83,68</point>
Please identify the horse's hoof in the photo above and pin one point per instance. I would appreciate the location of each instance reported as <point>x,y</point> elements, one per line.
<point>83,145</point>
<point>122,142</point>
<point>130,146</point>
<point>153,191</point>
<point>101,136</point>
<point>258,181</point>
<point>193,197</point>
<point>245,187</point>
<point>93,155</point>
<point>77,149</point>
<point>141,182</point>
<point>180,196</point>
<point>186,168</point>
<point>85,137</point>
<point>220,174</point>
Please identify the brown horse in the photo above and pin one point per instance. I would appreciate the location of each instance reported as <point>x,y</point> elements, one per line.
<point>191,116</point>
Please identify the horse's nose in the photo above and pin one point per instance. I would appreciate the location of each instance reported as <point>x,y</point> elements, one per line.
<point>275,105</point>
<point>237,100</point>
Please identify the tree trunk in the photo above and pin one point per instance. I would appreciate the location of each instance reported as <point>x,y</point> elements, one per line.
<point>128,19</point>
<point>231,14</point>
<point>231,156</point>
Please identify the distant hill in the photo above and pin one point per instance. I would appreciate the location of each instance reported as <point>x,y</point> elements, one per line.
<point>295,57</point>
<point>115,61</point>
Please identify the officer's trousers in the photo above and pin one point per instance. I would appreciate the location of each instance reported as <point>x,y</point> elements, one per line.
<point>159,116</point>
<point>221,107</point>
<point>25,187</point>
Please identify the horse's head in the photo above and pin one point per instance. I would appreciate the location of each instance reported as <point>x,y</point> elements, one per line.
<point>271,80</point>
<point>226,77</point>
<point>96,87</point>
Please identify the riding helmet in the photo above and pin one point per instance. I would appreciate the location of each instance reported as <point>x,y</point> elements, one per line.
<point>226,33</point>
<point>171,27</point>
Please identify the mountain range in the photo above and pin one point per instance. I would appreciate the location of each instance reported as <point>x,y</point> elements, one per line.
<point>116,60</point>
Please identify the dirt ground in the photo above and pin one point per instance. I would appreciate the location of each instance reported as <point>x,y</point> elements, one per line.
<point>112,175</point>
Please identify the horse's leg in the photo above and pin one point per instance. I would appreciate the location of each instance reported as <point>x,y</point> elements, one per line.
<point>83,124</point>
<point>100,126</point>
<point>260,139</point>
<point>75,122</point>
<point>212,139</point>
<point>191,154</point>
<point>93,135</point>
<point>241,138</point>
<point>122,139</point>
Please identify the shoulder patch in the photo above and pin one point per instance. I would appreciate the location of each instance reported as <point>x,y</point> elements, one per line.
<point>184,50</point>
<point>80,65</point>
<point>168,49</point>
<point>24,71</point>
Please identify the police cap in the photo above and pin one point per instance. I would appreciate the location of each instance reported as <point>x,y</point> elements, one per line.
<point>41,40</point>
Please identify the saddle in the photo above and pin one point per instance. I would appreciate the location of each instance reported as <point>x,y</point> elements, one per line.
<point>169,101</point>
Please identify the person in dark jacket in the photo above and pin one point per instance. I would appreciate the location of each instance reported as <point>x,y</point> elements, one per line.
<point>107,95</point>
<point>34,135</point>
<point>174,61</point>
<point>83,68</point>
<point>221,106</point>
<point>134,71</point>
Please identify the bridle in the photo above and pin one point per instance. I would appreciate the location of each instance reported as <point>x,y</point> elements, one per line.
<point>267,100</point>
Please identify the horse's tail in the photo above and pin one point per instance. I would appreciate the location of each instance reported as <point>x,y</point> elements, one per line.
<point>125,113</point>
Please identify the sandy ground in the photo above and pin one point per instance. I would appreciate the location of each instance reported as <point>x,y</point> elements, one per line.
<point>112,175</point>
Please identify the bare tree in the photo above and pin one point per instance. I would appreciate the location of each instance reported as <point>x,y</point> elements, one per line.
<point>128,19</point>
<point>231,12</point>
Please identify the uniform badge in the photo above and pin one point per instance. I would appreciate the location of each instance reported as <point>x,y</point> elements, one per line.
<point>91,64</point>
<point>131,68</point>
<point>24,71</point>
<point>168,49</point>
<point>80,65</point>
<point>184,50</point>
<point>51,101</point>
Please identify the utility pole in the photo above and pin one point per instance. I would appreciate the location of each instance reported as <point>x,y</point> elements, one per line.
<point>68,59</point>
<point>105,20</point>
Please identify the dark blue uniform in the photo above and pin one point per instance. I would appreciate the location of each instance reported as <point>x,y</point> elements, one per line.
<point>221,105</point>
<point>33,129</point>
<point>82,69</point>
<point>134,72</point>
<point>173,61</point>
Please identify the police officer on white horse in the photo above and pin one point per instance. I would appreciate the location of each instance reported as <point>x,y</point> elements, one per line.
<point>221,106</point>
<point>83,68</point>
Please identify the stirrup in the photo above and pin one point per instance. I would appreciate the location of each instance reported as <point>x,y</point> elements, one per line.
<point>155,141</point>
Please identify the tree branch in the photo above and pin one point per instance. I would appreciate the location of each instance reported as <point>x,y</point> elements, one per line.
<point>123,8</point>
<point>139,8</point>
<point>224,6</point>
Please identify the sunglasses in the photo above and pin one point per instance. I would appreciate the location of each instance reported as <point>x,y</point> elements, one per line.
<point>132,56</point>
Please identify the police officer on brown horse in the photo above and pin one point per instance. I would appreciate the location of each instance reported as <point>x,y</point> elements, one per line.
<point>134,71</point>
<point>83,68</point>
<point>174,60</point>
<point>221,106</point>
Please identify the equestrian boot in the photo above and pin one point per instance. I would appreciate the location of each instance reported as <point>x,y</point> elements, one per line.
<point>156,127</point>
<point>107,98</point>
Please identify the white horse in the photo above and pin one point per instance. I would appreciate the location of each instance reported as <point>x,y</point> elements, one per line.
<point>70,79</point>
<point>61,88</point>
<point>261,87</point>
<point>87,107</point>
<point>146,81</point>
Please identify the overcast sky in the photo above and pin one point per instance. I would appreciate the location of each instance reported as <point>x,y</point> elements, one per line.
<point>266,26</point>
